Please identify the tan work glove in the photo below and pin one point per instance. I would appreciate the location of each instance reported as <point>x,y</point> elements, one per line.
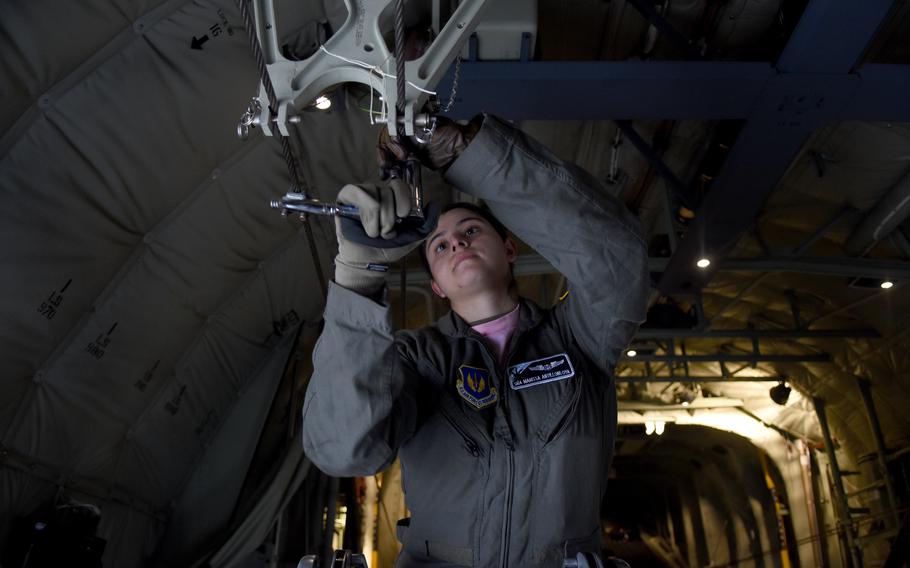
<point>437,152</point>
<point>363,268</point>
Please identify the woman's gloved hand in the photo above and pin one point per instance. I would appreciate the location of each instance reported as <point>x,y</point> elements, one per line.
<point>436,152</point>
<point>360,267</point>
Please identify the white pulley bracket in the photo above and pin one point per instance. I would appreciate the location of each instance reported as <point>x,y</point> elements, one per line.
<point>358,53</point>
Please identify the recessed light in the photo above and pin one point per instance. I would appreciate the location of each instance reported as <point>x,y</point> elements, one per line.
<point>323,103</point>
<point>685,403</point>
<point>631,353</point>
<point>703,263</point>
<point>887,284</point>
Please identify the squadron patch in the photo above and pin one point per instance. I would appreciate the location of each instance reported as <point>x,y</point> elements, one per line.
<point>540,371</point>
<point>474,386</point>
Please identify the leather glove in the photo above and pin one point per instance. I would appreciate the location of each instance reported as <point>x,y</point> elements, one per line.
<point>437,152</point>
<point>359,267</point>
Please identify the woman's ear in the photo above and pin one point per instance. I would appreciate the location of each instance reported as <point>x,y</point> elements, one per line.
<point>437,290</point>
<point>511,250</point>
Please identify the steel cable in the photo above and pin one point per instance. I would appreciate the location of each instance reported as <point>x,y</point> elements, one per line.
<point>286,150</point>
<point>399,60</point>
<point>399,114</point>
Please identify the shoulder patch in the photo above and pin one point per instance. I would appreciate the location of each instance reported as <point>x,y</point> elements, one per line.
<point>473,384</point>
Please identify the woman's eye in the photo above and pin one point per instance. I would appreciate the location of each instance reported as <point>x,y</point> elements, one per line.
<point>471,231</point>
<point>440,247</point>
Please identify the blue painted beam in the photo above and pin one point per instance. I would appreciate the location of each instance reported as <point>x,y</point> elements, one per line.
<point>882,94</point>
<point>597,90</point>
<point>676,185</point>
<point>832,35</point>
<point>590,90</point>
<point>646,8</point>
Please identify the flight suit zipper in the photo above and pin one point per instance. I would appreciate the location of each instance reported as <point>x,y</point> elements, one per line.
<point>502,375</point>
<point>507,513</point>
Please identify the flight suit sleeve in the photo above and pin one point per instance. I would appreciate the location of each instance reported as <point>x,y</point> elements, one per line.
<point>360,402</point>
<point>568,217</point>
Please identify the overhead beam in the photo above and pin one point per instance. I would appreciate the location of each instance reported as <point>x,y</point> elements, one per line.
<point>676,185</point>
<point>532,264</point>
<point>702,90</point>
<point>727,358</point>
<point>699,403</point>
<point>882,88</point>
<point>832,35</point>
<point>695,379</point>
<point>829,40</point>
<point>579,90</point>
<point>646,333</point>
<point>825,266</point>
<point>646,8</point>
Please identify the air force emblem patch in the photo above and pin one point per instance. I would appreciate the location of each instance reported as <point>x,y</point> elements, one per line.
<point>540,371</point>
<point>474,386</point>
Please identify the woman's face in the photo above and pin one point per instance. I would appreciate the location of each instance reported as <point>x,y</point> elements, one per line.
<point>467,256</point>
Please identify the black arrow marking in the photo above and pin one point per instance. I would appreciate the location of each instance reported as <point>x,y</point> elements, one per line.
<point>197,42</point>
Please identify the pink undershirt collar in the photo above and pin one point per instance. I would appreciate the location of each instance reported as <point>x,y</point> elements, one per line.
<point>498,332</point>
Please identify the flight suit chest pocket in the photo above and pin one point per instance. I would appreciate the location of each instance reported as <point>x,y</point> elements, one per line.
<point>550,388</point>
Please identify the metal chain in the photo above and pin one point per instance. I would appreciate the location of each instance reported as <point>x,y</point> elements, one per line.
<point>451,102</point>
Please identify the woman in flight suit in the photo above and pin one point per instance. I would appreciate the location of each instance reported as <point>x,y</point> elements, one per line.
<point>503,413</point>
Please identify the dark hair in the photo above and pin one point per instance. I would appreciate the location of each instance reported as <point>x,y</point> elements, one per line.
<point>481,211</point>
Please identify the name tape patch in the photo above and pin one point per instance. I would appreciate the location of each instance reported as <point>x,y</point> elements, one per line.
<point>540,371</point>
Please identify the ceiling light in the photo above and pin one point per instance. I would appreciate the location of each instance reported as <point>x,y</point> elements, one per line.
<point>887,284</point>
<point>703,263</point>
<point>686,395</point>
<point>649,428</point>
<point>631,353</point>
<point>323,103</point>
<point>659,427</point>
<point>780,393</point>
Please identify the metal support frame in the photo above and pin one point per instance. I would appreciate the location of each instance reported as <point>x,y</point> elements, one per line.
<point>633,90</point>
<point>532,263</point>
<point>843,509</point>
<point>814,82</point>
<point>794,308</point>
<point>330,511</point>
<point>853,305</point>
<point>823,230</point>
<point>656,333</point>
<point>828,42</point>
<point>865,388</point>
<point>357,52</point>
<point>728,358</point>
<point>695,379</point>
<point>646,9</point>
<point>900,549</point>
<point>682,191</point>
<point>826,266</point>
